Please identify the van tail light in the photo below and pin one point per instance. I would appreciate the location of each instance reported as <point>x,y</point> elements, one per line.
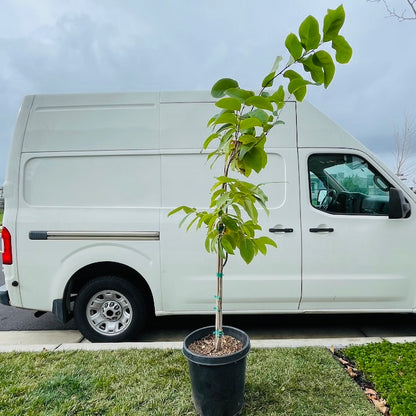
<point>7,246</point>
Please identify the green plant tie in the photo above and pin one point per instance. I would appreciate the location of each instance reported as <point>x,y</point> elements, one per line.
<point>216,309</point>
<point>217,297</point>
<point>219,275</point>
<point>218,333</point>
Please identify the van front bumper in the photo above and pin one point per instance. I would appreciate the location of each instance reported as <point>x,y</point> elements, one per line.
<point>4,296</point>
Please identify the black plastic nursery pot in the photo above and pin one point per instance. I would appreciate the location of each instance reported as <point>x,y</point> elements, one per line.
<point>217,382</point>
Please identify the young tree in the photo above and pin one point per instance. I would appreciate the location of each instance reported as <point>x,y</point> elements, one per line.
<point>240,133</point>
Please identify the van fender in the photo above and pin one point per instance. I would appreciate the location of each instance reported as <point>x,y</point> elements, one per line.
<point>101,252</point>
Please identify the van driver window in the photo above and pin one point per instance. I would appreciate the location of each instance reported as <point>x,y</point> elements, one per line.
<point>347,184</point>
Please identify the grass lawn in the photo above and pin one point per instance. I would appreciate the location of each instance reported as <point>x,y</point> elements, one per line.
<point>303,381</point>
<point>391,368</point>
<point>1,217</point>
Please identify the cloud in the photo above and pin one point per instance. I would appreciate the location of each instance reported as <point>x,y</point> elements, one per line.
<point>71,54</point>
<point>98,46</point>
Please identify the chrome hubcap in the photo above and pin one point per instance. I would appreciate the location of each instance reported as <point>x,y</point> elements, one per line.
<point>109,312</point>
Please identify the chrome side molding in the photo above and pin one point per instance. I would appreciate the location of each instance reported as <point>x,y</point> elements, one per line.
<point>95,235</point>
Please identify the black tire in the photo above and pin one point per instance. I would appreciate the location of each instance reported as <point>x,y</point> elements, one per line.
<point>110,309</point>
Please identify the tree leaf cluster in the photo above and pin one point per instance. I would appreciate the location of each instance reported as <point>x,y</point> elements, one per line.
<point>306,49</point>
<point>240,130</point>
<point>228,229</point>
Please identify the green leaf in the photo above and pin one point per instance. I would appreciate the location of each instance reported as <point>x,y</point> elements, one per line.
<point>230,118</point>
<point>221,180</point>
<point>218,192</point>
<point>221,251</point>
<point>249,228</point>
<point>185,218</point>
<point>221,86</point>
<point>184,208</point>
<point>223,200</point>
<point>324,59</point>
<point>250,209</point>
<point>259,114</point>
<point>316,71</point>
<point>210,221</point>
<point>230,223</point>
<point>233,104</point>
<point>191,223</point>
<point>239,93</point>
<point>294,46</point>
<point>212,119</point>
<point>209,139</point>
<point>225,127</point>
<point>260,102</point>
<point>261,247</point>
<point>239,166</point>
<point>279,97</point>
<point>267,240</point>
<point>276,63</point>
<point>263,205</point>
<point>261,243</point>
<point>247,139</point>
<point>244,149</point>
<point>343,51</point>
<point>262,199</point>
<point>250,122</point>
<point>247,250</point>
<point>237,210</point>
<point>291,74</point>
<point>333,22</point>
<point>207,244</point>
<point>309,33</point>
<point>227,243</point>
<point>297,87</point>
<point>268,81</point>
<point>204,218</point>
<point>290,61</point>
<point>256,158</point>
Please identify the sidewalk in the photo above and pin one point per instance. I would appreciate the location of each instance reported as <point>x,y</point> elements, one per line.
<point>70,340</point>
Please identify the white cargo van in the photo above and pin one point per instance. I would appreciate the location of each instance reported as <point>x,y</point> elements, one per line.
<point>91,179</point>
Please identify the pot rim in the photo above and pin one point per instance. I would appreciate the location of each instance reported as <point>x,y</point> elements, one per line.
<point>224,359</point>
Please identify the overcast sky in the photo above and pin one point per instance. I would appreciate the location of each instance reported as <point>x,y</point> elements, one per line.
<point>67,46</point>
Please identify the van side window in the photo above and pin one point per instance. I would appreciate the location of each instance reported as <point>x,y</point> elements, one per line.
<point>347,184</point>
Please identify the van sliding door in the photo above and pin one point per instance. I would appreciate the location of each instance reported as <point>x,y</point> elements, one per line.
<point>269,283</point>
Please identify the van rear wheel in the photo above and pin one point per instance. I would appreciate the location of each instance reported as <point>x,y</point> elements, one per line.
<point>110,309</point>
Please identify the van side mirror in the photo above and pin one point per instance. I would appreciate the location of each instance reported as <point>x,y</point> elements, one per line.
<point>398,206</point>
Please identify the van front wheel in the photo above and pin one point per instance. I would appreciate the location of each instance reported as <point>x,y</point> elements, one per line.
<point>109,309</point>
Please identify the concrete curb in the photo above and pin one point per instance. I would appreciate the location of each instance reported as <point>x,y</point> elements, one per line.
<point>255,343</point>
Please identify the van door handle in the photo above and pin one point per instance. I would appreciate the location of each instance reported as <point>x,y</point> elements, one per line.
<point>321,230</point>
<point>281,230</point>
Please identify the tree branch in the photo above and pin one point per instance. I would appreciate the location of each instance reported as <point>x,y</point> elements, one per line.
<point>404,14</point>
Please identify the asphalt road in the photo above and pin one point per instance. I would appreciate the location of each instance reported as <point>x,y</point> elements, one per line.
<point>259,326</point>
